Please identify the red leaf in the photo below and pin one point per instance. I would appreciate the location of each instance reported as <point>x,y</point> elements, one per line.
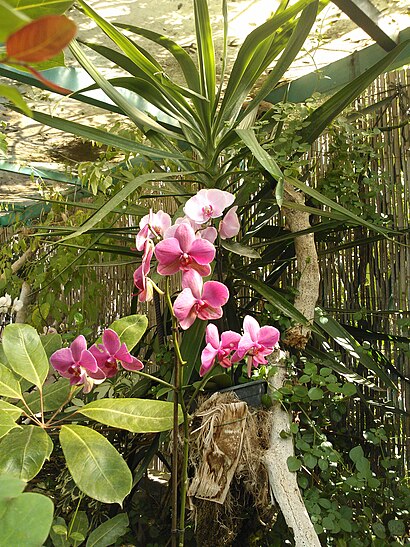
<point>41,39</point>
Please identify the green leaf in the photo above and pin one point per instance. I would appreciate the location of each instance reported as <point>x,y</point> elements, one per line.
<point>23,452</point>
<point>14,96</point>
<point>37,8</point>
<point>6,424</point>
<point>25,353</point>
<point>206,53</point>
<point>51,342</point>
<point>25,520</point>
<point>58,533</point>
<point>379,530</point>
<point>104,137</point>
<point>294,464</point>
<point>182,57</point>
<point>10,487</point>
<point>95,465</point>
<point>78,528</point>
<point>12,410</point>
<point>239,249</point>
<point>356,454</point>
<point>130,329</point>
<point>136,415</point>
<point>350,344</point>
<point>315,393</point>
<point>272,296</point>
<point>10,20</point>
<point>9,385</point>
<point>54,395</point>
<point>349,389</point>
<point>396,527</point>
<point>108,532</point>
<point>191,346</point>
<point>118,198</point>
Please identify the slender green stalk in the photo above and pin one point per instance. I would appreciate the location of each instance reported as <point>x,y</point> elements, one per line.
<point>70,395</point>
<point>153,378</point>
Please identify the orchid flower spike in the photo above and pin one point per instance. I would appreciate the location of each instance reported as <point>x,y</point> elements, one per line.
<point>218,349</point>
<point>207,204</point>
<point>111,353</point>
<point>78,364</point>
<point>256,343</point>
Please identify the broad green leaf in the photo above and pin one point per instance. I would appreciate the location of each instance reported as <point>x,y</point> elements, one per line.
<point>206,53</point>
<point>78,527</point>
<point>108,532</point>
<point>23,452</point>
<point>51,342</point>
<point>58,533</point>
<point>38,8</point>
<point>25,520</point>
<point>14,96</point>
<point>104,137</point>
<point>136,415</point>
<point>239,249</point>
<point>9,385</point>
<point>10,20</point>
<point>12,410</point>
<point>25,353</point>
<point>10,487</point>
<point>273,297</point>
<point>130,329</point>
<point>351,345</point>
<point>6,423</point>
<point>294,464</point>
<point>320,118</point>
<point>54,395</point>
<point>95,465</point>
<point>117,199</point>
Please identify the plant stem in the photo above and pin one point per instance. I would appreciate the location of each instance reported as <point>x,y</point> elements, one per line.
<point>154,378</point>
<point>30,413</point>
<point>184,478</point>
<point>70,396</point>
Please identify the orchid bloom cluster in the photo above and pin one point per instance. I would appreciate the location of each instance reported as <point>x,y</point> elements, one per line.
<point>254,345</point>
<point>92,366</point>
<point>187,247</point>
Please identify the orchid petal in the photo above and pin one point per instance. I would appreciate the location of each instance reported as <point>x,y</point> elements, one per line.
<point>210,312</point>
<point>123,354</point>
<point>88,361</point>
<point>208,356</point>
<point>191,279</point>
<point>202,251</point>
<point>111,341</point>
<point>134,365</point>
<point>230,340</point>
<point>229,225</point>
<point>77,347</point>
<point>268,336</point>
<point>183,307</point>
<point>212,336</point>
<point>62,359</point>
<point>210,234</point>
<point>168,251</point>
<point>186,236</point>
<point>251,326</point>
<point>215,293</point>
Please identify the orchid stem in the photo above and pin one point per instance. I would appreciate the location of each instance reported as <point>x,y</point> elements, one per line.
<point>154,379</point>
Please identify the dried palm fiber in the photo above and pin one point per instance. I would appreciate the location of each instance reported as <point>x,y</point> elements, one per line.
<point>227,444</point>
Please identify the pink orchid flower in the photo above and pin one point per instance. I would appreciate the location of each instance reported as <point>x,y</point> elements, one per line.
<point>202,301</point>
<point>111,353</point>
<point>78,364</point>
<point>152,226</point>
<point>208,233</point>
<point>207,204</point>
<point>256,343</point>
<point>218,349</point>
<point>184,252</point>
<point>229,225</point>
<point>141,279</point>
